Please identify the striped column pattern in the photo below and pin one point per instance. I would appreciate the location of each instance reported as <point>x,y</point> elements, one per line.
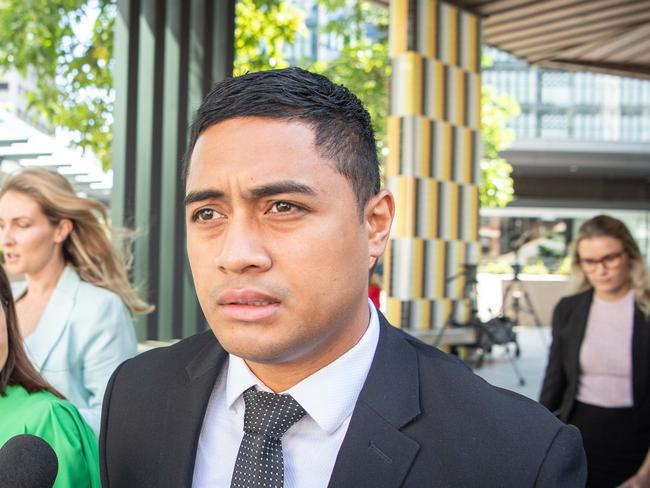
<point>433,163</point>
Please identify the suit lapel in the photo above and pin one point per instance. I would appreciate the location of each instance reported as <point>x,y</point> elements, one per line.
<point>185,409</point>
<point>576,333</point>
<point>640,354</point>
<point>374,451</point>
<point>54,320</point>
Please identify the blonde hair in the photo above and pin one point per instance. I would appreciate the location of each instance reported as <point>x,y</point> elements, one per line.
<point>606,226</point>
<point>88,248</point>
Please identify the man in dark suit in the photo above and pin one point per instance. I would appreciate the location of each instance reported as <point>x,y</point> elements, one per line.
<point>285,217</point>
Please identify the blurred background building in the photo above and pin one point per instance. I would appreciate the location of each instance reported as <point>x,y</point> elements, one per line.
<point>582,147</point>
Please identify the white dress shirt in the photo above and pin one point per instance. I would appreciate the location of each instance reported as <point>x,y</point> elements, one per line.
<point>311,445</point>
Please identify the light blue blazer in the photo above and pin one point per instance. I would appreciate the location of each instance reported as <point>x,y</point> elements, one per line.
<point>84,333</point>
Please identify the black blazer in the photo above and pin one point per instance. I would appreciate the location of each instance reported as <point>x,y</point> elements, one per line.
<point>560,385</point>
<point>423,419</point>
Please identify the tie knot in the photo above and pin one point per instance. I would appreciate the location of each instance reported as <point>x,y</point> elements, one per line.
<point>270,414</point>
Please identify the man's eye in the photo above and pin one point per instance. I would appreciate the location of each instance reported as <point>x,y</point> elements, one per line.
<point>282,207</point>
<point>206,214</point>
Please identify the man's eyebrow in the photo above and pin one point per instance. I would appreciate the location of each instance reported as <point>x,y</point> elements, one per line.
<point>202,195</point>
<point>279,188</point>
<point>257,192</point>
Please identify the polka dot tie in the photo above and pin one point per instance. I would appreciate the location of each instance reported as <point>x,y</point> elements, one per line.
<point>266,418</point>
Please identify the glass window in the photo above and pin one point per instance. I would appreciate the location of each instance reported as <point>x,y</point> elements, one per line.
<point>554,126</point>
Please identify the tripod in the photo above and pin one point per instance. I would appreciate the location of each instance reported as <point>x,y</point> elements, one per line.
<point>517,291</point>
<point>497,331</point>
<point>470,291</point>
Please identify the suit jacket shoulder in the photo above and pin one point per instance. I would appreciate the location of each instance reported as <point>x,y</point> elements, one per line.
<point>166,364</point>
<point>153,411</point>
<point>425,419</point>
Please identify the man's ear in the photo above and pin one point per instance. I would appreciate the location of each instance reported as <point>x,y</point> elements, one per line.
<point>63,229</point>
<point>378,216</point>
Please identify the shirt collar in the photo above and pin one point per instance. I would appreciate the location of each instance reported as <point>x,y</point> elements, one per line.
<point>330,394</point>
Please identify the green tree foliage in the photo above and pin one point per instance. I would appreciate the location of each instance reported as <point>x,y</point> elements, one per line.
<point>363,65</point>
<point>48,41</point>
<point>497,109</point>
<point>496,188</point>
<point>263,30</point>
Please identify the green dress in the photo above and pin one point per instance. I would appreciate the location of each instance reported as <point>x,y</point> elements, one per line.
<point>60,424</point>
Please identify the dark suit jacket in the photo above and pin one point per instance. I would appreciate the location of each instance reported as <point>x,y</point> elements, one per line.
<point>423,419</point>
<point>560,385</point>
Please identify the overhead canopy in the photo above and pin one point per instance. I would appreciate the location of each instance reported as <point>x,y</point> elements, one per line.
<point>607,36</point>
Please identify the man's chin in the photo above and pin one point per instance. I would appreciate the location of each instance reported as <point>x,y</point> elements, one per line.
<point>257,354</point>
<point>248,345</point>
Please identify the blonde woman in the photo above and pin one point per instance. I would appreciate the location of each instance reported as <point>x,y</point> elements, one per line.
<point>598,373</point>
<point>74,307</point>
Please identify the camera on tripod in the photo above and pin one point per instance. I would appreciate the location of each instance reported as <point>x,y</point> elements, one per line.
<point>515,292</point>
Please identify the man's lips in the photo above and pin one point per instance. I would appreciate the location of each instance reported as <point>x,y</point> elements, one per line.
<point>247,305</point>
<point>245,297</point>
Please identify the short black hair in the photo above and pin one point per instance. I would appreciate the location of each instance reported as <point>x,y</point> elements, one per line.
<point>342,127</point>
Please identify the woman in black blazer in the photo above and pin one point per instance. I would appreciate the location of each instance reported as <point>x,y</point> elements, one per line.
<point>598,372</point>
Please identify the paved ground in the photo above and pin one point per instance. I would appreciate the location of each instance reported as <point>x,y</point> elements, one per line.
<point>498,370</point>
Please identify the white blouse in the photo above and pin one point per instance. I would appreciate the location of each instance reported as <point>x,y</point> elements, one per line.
<point>606,354</point>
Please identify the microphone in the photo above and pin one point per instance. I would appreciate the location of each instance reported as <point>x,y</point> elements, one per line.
<point>27,461</point>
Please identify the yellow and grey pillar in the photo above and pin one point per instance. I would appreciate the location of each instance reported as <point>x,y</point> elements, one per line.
<point>433,163</point>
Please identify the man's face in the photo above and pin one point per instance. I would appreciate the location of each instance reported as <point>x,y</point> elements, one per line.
<point>278,252</point>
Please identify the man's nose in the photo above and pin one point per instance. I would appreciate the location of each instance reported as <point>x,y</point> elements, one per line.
<point>242,248</point>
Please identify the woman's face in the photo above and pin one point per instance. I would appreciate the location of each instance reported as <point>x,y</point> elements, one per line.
<point>606,265</point>
<point>4,340</point>
<point>29,241</point>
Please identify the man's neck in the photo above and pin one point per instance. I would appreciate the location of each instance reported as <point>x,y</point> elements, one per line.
<point>280,378</point>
